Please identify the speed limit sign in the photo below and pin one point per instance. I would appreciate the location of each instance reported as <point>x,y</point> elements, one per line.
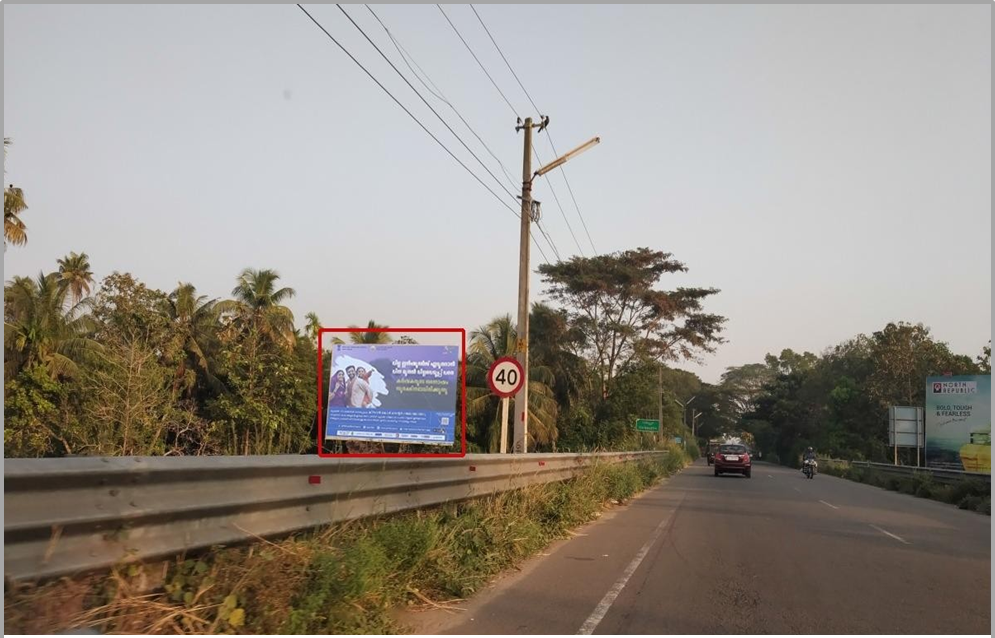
<point>505,377</point>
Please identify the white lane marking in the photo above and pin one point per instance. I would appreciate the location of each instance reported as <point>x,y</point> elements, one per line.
<point>895,536</point>
<point>829,504</point>
<point>769,476</point>
<point>599,612</point>
<point>797,490</point>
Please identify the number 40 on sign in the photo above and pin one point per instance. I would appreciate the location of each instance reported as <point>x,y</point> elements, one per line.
<point>505,378</point>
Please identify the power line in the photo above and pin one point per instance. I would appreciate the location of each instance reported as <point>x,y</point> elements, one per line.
<point>479,63</point>
<point>510,106</point>
<point>541,251</point>
<point>405,55</point>
<point>437,92</point>
<point>549,183</point>
<point>542,230</point>
<point>434,112</point>
<point>419,123</point>
<point>422,98</point>
<point>556,198</point>
<point>571,190</point>
<point>504,58</point>
<point>548,134</point>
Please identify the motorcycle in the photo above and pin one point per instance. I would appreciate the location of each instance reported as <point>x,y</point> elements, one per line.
<point>809,467</point>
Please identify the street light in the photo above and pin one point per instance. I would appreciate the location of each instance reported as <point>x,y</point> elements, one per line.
<point>684,411</point>
<point>522,344</point>
<point>563,160</point>
<point>694,418</point>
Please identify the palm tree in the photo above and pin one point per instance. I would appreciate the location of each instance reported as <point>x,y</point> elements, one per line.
<point>495,340</point>
<point>312,326</point>
<point>194,318</point>
<point>370,337</point>
<point>75,273</point>
<point>257,305</point>
<point>14,230</point>
<point>41,328</point>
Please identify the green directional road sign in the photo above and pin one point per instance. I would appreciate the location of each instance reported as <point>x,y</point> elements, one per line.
<point>647,425</point>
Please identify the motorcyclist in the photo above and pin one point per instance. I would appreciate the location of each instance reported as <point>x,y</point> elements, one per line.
<point>809,455</point>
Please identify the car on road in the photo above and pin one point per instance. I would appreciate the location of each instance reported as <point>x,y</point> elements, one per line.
<point>732,458</point>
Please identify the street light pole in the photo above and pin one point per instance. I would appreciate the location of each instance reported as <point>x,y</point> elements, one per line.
<point>520,443</point>
<point>684,409</point>
<point>521,432</point>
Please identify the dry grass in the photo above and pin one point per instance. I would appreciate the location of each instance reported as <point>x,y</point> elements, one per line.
<point>340,579</point>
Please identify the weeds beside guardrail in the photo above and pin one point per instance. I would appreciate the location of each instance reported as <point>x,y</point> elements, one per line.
<point>966,491</point>
<point>341,579</point>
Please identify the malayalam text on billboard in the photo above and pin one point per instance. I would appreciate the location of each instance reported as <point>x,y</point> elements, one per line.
<point>395,393</point>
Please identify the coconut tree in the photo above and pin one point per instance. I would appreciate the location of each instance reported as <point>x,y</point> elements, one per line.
<point>312,326</point>
<point>42,328</point>
<point>75,274</point>
<point>257,306</point>
<point>370,337</point>
<point>488,343</point>
<point>195,320</point>
<point>14,229</point>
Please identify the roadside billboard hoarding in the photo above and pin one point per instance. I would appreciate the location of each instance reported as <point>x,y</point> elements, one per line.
<point>959,423</point>
<point>395,393</point>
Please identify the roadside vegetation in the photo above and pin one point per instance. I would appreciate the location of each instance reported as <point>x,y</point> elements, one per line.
<point>967,494</point>
<point>342,579</point>
<point>115,367</point>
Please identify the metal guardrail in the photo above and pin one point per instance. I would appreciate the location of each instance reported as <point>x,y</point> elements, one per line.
<point>64,516</point>
<point>945,477</point>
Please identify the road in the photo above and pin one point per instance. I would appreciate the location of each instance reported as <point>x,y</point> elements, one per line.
<point>773,554</point>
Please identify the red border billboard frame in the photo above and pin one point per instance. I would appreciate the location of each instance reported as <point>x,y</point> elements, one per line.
<point>408,455</point>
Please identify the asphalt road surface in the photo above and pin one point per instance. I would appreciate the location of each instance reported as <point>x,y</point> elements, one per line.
<point>777,553</point>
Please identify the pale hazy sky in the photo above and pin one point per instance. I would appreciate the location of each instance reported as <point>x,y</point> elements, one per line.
<point>827,167</point>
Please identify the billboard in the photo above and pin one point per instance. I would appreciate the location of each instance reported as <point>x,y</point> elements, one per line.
<point>394,393</point>
<point>959,423</point>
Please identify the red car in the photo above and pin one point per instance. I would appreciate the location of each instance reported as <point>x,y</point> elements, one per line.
<point>732,459</point>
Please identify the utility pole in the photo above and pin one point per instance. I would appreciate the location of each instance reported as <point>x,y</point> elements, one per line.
<point>659,396</point>
<point>521,436</point>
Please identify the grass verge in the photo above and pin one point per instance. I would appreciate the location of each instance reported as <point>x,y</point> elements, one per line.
<point>967,494</point>
<point>342,579</point>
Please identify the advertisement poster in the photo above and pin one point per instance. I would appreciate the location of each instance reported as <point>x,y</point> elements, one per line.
<point>394,393</point>
<point>959,423</point>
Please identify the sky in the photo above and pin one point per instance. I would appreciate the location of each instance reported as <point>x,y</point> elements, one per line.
<point>828,168</point>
